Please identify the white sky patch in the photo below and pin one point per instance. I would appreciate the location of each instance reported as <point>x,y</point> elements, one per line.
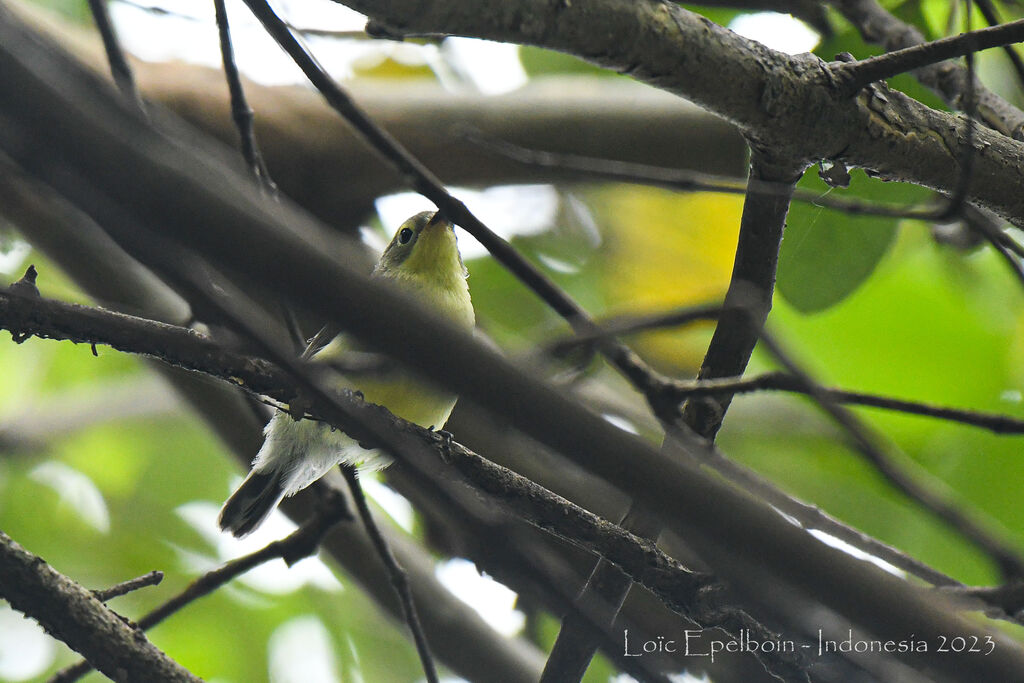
<point>274,577</point>
<point>620,422</point>
<point>75,490</point>
<point>352,671</point>
<point>682,677</point>
<point>301,651</point>
<point>13,252</point>
<point>829,539</point>
<point>491,68</point>
<point>494,602</point>
<point>25,649</point>
<point>778,31</point>
<point>393,503</point>
<point>187,32</point>
<point>558,265</point>
<point>325,15</point>
<point>508,210</point>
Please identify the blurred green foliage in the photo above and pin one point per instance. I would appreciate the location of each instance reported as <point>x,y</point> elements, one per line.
<point>894,313</point>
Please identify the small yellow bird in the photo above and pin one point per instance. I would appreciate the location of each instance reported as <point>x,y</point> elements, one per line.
<point>423,259</point>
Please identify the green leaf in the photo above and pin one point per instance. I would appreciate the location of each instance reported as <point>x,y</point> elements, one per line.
<point>826,255</point>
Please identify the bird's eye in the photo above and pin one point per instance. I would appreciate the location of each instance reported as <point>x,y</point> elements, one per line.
<point>404,236</point>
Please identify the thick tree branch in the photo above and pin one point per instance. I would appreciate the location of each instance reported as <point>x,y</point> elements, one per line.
<point>462,640</point>
<point>858,74</point>
<point>792,105</point>
<point>780,381</point>
<point>733,531</point>
<point>751,288</point>
<point>79,618</point>
<point>746,307</point>
<point>300,544</point>
<point>948,79</point>
<point>680,590</point>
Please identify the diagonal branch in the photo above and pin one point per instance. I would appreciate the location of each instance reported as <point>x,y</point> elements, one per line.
<point>691,595</point>
<point>791,104</point>
<point>780,381</point>
<point>988,10</point>
<point>1006,557</point>
<point>399,579</point>
<point>301,543</point>
<point>119,67</point>
<point>732,530</point>
<point>427,184</point>
<point>749,298</point>
<point>858,74</point>
<point>241,112</point>
<point>77,617</point>
<point>947,79</point>
<point>740,319</point>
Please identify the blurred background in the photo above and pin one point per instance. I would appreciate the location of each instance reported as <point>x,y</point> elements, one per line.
<point>107,475</point>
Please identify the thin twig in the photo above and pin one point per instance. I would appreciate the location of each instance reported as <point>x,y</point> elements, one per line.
<point>180,266</point>
<point>29,315</point>
<point>958,199</point>
<point>631,324</point>
<point>426,183</point>
<point>692,181</point>
<point>304,30</point>
<point>119,67</point>
<point>856,75</point>
<point>300,544</point>
<point>948,79</point>
<point>988,10</point>
<point>151,579</point>
<point>1008,249</point>
<point>750,289</point>
<point>780,381</point>
<point>929,497</point>
<point>241,112</point>
<point>683,180</point>
<point>398,577</point>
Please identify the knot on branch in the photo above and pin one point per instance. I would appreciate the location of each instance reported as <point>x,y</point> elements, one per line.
<point>23,289</point>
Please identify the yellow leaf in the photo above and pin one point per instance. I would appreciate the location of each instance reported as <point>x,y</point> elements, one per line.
<point>668,250</point>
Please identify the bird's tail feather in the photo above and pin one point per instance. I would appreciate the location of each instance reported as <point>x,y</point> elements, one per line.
<point>252,502</point>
